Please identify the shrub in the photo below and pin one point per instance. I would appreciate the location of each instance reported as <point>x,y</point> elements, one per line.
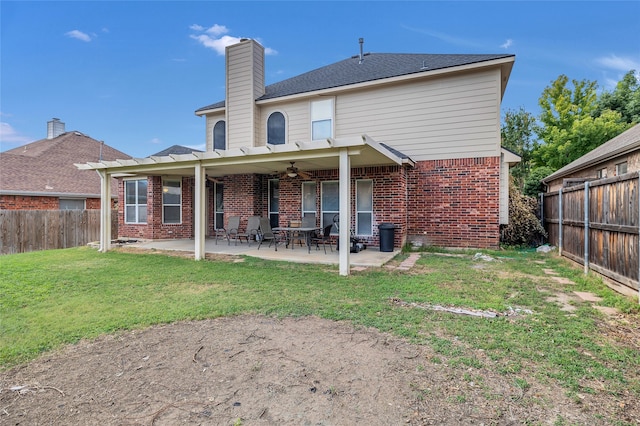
<point>524,228</point>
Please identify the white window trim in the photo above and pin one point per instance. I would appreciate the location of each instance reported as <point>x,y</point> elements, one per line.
<point>370,233</point>
<point>286,125</point>
<point>179,205</point>
<point>332,117</point>
<point>124,182</point>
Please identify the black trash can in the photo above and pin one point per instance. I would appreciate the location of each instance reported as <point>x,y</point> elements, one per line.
<point>387,235</point>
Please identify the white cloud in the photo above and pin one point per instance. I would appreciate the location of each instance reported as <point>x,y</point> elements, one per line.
<point>9,135</point>
<point>156,141</point>
<point>217,30</point>
<point>619,63</point>
<point>79,35</point>
<point>217,44</point>
<point>507,44</point>
<point>214,39</point>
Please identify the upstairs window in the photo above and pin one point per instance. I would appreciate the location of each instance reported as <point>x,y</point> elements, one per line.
<point>276,129</point>
<point>322,119</point>
<point>220,135</point>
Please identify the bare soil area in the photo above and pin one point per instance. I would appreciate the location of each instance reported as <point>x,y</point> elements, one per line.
<point>256,370</point>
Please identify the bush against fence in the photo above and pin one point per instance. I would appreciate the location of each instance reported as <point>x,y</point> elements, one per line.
<point>32,230</point>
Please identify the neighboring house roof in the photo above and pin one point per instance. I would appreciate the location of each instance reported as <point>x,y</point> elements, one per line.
<point>46,167</point>
<point>620,145</point>
<point>374,66</point>
<point>175,150</point>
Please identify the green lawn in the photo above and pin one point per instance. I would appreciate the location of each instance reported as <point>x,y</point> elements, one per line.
<point>55,297</point>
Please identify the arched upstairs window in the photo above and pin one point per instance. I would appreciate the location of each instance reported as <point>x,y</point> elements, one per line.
<point>276,129</point>
<point>220,135</point>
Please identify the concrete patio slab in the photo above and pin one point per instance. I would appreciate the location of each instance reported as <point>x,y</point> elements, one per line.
<point>371,257</point>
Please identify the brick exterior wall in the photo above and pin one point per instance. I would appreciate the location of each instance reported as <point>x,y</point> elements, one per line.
<point>154,229</point>
<point>22,202</point>
<point>451,203</point>
<point>455,203</point>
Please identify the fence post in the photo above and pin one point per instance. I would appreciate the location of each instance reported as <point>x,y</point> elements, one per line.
<point>586,227</point>
<point>560,221</point>
<point>541,195</point>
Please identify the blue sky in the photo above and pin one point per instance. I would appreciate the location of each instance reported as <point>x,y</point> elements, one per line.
<point>133,73</point>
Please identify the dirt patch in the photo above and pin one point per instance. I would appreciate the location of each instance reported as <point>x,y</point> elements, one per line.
<point>255,370</point>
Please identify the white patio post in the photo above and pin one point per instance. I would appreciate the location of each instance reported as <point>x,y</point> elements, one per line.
<point>199,217</point>
<point>345,211</point>
<point>105,210</point>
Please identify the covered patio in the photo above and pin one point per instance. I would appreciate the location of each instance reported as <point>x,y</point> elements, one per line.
<point>371,257</point>
<point>338,154</point>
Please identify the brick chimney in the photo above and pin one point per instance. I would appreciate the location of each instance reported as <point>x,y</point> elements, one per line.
<point>55,128</point>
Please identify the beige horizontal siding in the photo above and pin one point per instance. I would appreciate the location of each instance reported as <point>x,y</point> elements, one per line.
<point>452,117</point>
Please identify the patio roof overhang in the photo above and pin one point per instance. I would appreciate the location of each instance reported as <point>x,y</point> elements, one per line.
<point>269,159</point>
<point>342,154</point>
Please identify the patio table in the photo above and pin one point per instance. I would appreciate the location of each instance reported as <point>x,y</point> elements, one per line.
<point>307,231</point>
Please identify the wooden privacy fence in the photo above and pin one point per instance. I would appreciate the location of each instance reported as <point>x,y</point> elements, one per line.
<point>597,224</point>
<point>31,230</point>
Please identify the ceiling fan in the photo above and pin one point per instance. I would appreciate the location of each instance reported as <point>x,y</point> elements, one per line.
<point>293,172</point>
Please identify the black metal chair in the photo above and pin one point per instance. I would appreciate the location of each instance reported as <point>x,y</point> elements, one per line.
<point>324,238</point>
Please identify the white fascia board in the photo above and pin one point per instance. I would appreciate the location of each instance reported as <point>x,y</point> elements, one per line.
<point>376,145</point>
<point>510,157</point>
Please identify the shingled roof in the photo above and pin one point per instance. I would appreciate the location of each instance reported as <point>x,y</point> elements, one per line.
<point>175,150</point>
<point>47,166</point>
<point>374,66</point>
<point>623,143</point>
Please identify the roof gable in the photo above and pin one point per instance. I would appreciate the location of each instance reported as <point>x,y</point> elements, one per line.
<point>47,165</point>
<point>374,66</point>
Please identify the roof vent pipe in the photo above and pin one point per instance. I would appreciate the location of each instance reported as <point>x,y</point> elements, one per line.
<point>361,41</point>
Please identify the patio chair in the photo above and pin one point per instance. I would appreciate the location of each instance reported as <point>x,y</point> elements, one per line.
<point>324,238</point>
<point>253,229</point>
<point>233,229</point>
<point>267,234</point>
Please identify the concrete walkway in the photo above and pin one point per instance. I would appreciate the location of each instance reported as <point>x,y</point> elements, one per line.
<point>371,257</point>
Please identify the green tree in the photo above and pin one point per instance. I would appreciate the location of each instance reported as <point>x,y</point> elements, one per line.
<point>533,185</point>
<point>571,125</point>
<point>624,99</point>
<point>518,131</point>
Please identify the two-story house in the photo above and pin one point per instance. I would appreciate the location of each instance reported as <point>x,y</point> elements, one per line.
<point>407,139</point>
